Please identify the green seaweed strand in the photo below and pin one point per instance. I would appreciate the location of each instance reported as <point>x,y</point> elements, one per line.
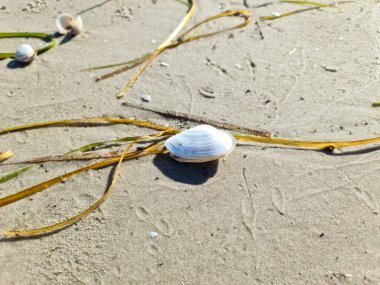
<point>14,175</point>
<point>45,37</point>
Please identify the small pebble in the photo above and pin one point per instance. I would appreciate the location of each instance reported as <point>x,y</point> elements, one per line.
<point>292,51</point>
<point>329,69</point>
<point>146,98</point>
<point>238,66</point>
<point>153,234</point>
<point>153,41</point>
<point>165,64</point>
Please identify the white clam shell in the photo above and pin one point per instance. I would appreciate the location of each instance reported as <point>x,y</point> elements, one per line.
<point>68,24</point>
<point>25,53</point>
<point>200,144</point>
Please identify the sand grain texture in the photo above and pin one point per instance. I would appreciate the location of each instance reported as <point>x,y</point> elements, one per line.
<point>265,215</point>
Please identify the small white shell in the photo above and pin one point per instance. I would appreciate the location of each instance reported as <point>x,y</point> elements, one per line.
<point>67,24</point>
<point>25,53</point>
<point>200,144</point>
<point>146,98</point>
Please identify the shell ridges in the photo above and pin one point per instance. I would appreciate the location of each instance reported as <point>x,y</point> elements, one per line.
<point>200,144</point>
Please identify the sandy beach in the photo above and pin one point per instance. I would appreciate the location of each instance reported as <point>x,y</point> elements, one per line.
<point>263,215</point>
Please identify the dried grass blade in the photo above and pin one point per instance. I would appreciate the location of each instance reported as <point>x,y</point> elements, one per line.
<point>182,39</point>
<point>181,25</point>
<point>134,77</point>
<point>122,69</point>
<point>93,146</point>
<point>175,40</point>
<point>275,17</point>
<point>309,3</point>
<point>91,155</point>
<point>129,64</point>
<point>6,155</point>
<point>245,14</point>
<point>162,47</point>
<point>315,4</point>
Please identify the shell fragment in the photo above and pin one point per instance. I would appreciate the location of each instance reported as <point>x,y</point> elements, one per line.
<point>68,24</point>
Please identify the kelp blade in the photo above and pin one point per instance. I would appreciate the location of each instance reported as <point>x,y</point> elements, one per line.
<point>87,122</point>
<point>47,184</point>
<point>306,144</point>
<point>45,37</point>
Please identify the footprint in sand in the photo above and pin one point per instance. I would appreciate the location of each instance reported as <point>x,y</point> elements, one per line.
<point>153,250</point>
<point>248,206</point>
<point>278,200</point>
<point>142,214</point>
<point>367,198</point>
<point>249,215</point>
<point>164,227</point>
<point>22,137</point>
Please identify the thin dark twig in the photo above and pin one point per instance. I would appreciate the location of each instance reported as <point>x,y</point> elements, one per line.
<point>198,119</point>
<point>93,7</point>
<point>264,5</point>
<point>260,31</point>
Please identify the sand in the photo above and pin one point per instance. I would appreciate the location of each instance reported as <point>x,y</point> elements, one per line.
<point>265,215</point>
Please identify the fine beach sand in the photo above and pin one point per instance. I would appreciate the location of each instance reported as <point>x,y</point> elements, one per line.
<point>265,215</point>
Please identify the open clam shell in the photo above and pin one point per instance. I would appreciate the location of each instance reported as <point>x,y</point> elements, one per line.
<point>200,144</point>
<point>25,53</point>
<point>68,24</point>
